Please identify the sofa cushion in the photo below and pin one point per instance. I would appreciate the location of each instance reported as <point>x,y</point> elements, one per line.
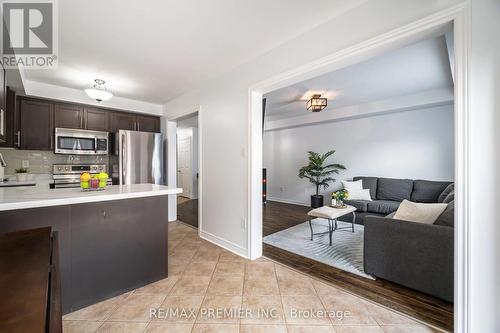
<point>450,188</point>
<point>382,206</point>
<point>369,183</point>
<point>360,205</point>
<point>394,189</point>
<point>447,218</point>
<point>427,191</point>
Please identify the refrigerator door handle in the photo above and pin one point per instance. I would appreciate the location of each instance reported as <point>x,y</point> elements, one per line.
<point>123,158</point>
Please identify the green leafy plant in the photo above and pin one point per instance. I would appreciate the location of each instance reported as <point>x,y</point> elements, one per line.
<point>22,170</point>
<point>340,195</point>
<point>317,172</point>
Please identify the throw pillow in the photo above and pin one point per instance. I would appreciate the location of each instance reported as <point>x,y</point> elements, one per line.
<point>351,186</point>
<point>446,191</point>
<point>359,195</point>
<point>419,212</point>
<point>448,217</point>
<point>450,197</point>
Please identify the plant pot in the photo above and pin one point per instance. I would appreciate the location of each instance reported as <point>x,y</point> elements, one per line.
<point>21,177</point>
<point>316,201</point>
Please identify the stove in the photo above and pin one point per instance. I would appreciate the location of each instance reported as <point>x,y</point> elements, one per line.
<point>68,175</point>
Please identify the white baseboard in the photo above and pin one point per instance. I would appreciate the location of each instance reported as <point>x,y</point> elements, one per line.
<point>293,202</point>
<point>230,246</point>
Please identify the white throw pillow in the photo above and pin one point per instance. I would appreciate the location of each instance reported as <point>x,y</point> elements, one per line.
<point>359,195</point>
<point>352,186</point>
<point>419,212</point>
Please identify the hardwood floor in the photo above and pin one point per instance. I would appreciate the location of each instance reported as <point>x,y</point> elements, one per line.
<point>279,216</point>
<point>187,211</point>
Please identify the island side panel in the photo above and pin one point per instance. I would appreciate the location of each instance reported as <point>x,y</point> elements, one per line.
<point>105,248</point>
<point>117,246</point>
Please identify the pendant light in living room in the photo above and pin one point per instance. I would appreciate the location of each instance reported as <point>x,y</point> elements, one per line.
<point>99,92</point>
<point>316,103</point>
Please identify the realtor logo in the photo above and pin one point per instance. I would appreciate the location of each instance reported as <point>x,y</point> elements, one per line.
<point>29,33</point>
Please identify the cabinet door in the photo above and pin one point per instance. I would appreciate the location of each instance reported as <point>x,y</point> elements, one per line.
<point>3,79</point>
<point>10,120</point>
<point>122,120</point>
<point>148,124</point>
<point>68,116</point>
<point>36,128</point>
<point>96,119</point>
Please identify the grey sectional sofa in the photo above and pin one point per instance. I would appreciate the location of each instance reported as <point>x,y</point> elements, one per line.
<point>388,193</point>
<point>416,255</point>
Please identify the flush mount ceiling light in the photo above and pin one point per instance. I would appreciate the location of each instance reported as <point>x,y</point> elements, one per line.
<point>316,103</point>
<point>99,91</point>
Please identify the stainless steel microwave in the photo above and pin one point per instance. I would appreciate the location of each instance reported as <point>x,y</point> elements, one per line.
<point>81,142</point>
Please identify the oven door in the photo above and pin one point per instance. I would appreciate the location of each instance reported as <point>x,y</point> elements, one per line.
<point>80,142</point>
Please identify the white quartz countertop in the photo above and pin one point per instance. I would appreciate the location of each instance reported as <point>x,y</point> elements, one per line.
<point>32,197</point>
<point>12,183</point>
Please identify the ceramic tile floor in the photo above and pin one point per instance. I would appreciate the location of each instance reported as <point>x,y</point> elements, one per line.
<point>205,278</point>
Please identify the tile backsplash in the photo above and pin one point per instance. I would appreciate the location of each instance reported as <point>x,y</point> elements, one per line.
<point>41,161</point>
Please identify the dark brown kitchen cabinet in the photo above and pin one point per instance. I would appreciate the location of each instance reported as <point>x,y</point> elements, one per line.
<point>11,121</point>
<point>96,119</point>
<point>68,116</point>
<point>122,120</point>
<point>36,124</point>
<point>148,124</point>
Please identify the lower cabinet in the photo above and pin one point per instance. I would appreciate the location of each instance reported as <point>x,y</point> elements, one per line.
<point>105,249</point>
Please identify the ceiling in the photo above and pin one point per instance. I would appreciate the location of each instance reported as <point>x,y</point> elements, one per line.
<point>423,66</point>
<point>156,50</point>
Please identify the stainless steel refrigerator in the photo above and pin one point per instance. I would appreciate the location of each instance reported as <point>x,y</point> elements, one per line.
<point>139,157</point>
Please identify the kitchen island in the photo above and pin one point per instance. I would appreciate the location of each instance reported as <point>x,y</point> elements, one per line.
<point>110,241</point>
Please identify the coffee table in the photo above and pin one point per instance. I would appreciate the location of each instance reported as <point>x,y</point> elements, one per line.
<point>331,214</point>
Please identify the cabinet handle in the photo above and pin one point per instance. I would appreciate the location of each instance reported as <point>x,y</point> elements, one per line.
<point>18,140</point>
<point>81,121</point>
<point>137,125</point>
<point>104,213</point>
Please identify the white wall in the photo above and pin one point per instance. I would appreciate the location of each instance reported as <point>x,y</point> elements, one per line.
<point>412,144</point>
<point>485,156</point>
<point>224,117</point>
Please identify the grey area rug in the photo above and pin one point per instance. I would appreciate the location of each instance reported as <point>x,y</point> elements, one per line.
<point>346,252</point>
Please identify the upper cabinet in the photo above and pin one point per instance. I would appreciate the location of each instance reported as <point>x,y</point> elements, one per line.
<point>122,120</point>
<point>134,122</point>
<point>36,129</point>
<point>32,123</point>
<point>96,119</point>
<point>11,120</point>
<point>68,116</point>
<point>148,124</point>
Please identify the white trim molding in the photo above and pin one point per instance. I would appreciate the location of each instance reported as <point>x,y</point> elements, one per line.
<point>230,246</point>
<point>458,16</point>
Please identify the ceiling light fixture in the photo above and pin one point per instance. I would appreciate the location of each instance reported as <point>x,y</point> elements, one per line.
<point>99,91</point>
<point>316,103</point>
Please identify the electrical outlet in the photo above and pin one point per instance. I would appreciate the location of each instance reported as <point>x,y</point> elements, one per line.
<point>26,163</point>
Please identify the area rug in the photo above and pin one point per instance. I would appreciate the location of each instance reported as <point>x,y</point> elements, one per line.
<point>346,252</point>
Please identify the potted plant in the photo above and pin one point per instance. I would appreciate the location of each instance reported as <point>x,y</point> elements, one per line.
<point>319,174</point>
<point>22,174</point>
